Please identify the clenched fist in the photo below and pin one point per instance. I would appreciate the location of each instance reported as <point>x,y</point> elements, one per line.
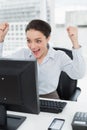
<point>3,31</point>
<point>73,35</point>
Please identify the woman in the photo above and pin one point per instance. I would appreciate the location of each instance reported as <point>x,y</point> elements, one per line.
<point>50,62</point>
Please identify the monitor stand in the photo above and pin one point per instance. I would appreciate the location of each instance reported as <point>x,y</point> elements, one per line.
<point>9,121</point>
<point>14,121</point>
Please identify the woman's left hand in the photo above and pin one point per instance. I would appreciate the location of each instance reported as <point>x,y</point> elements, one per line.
<point>73,35</point>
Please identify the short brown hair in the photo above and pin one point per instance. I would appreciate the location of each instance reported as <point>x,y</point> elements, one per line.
<point>39,25</point>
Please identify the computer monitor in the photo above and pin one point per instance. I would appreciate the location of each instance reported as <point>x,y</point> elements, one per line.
<point>19,85</point>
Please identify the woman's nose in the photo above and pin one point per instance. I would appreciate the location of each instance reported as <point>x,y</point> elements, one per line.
<point>32,46</point>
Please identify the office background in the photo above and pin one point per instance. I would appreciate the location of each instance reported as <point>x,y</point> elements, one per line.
<point>59,14</point>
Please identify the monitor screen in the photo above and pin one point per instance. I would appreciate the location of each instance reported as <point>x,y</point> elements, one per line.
<point>18,85</point>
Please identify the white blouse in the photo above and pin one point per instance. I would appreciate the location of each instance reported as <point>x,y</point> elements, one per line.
<point>55,62</point>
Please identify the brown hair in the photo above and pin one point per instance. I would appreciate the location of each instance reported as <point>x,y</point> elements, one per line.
<point>39,25</point>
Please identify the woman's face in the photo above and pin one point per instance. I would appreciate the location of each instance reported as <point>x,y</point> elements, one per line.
<point>37,42</point>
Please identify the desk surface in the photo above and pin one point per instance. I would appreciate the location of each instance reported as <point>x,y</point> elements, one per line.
<point>43,120</point>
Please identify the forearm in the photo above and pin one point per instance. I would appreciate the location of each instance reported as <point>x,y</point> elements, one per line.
<point>1,49</point>
<point>73,35</point>
<point>1,36</point>
<point>75,43</point>
<point>76,68</point>
<point>79,62</point>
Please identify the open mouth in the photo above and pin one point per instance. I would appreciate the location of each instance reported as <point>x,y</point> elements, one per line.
<point>35,52</point>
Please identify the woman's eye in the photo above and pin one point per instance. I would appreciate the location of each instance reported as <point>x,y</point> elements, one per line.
<point>38,41</point>
<point>28,41</point>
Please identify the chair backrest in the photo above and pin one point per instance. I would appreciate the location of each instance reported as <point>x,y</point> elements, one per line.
<point>66,86</point>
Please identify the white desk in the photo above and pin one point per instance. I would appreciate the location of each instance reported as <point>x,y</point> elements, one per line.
<point>43,120</point>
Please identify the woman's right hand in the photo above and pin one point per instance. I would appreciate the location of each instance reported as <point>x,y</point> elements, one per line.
<point>4,27</point>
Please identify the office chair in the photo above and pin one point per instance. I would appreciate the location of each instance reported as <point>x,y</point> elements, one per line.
<point>67,87</point>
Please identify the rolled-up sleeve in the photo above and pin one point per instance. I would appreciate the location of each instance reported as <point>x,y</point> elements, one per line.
<point>74,68</point>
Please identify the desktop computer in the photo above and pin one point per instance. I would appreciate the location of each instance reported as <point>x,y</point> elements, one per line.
<point>18,89</point>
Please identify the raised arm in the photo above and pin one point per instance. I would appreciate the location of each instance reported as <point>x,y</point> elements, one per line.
<point>4,27</point>
<point>74,68</point>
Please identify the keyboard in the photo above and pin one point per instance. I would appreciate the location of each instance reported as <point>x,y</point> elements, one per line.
<point>52,106</point>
